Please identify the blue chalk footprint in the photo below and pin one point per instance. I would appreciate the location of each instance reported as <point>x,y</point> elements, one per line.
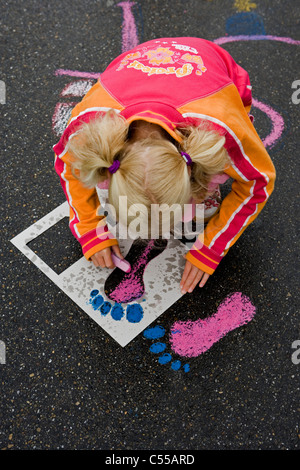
<point>157,332</point>
<point>134,312</point>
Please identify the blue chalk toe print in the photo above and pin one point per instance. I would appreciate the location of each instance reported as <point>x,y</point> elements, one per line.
<point>134,312</point>
<point>158,347</point>
<point>117,312</point>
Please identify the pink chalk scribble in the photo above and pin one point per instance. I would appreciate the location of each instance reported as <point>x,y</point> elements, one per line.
<point>192,338</point>
<point>277,123</point>
<point>129,30</point>
<point>76,73</point>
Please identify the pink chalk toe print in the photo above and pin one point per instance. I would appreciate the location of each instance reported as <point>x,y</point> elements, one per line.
<point>192,338</point>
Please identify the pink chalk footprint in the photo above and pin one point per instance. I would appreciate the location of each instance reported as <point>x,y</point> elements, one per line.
<point>192,338</point>
<point>125,287</point>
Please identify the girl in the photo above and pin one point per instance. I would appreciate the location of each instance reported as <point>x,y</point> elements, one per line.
<point>165,123</point>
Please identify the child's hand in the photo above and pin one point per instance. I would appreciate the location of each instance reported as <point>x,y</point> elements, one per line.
<point>191,276</point>
<point>103,257</point>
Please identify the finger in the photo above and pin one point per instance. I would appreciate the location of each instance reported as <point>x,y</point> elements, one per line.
<point>94,261</point>
<point>194,279</point>
<point>203,280</point>
<point>186,271</point>
<point>101,261</point>
<point>108,262</point>
<point>98,260</point>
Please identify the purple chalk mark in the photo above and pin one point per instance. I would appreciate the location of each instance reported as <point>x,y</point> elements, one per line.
<point>277,123</point>
<point>76,73</point>
<point>262,37</point>
<point>129,31</point>
<point>192,338</point>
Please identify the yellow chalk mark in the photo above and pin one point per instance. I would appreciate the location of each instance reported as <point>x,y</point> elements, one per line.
<point>244,5</point>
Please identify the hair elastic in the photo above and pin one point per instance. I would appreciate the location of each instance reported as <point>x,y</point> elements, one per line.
<point>187,158</point>
<point>114,167</point>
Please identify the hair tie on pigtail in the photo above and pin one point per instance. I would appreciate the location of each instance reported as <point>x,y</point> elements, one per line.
<point>114,167</point>
<point>187,158</point>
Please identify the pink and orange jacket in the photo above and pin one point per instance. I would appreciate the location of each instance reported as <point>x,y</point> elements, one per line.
<point>172,82</point>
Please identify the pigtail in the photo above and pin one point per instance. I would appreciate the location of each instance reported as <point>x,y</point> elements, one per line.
<point>209,157</point>
<point>96,146</point>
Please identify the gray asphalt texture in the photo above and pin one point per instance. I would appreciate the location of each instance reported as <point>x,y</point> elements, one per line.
<point>68,385</point>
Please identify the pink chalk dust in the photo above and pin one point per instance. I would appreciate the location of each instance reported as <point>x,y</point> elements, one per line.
<point>192,338</point>
<point>132,286</point>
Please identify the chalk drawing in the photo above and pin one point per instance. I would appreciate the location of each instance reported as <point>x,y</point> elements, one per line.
<point>78,88</point>
<point>245,23</point>
<point>76,73</point>
<point>158,348</point>
<point>244,5</point>
<point>276,119</point>
<point>134,312</point>
<point>259,37</point>
<point>63,110</point>
<point>192,338</point>
<point>277,123</point>
<point>129,30</point>
<point>61,115</point>
<point>130,286</point>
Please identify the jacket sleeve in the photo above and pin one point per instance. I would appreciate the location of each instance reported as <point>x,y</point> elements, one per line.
<point>86,225</point>
<point>253,176</point>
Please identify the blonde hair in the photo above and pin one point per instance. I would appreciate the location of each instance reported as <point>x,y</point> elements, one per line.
<point>151,171</point>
